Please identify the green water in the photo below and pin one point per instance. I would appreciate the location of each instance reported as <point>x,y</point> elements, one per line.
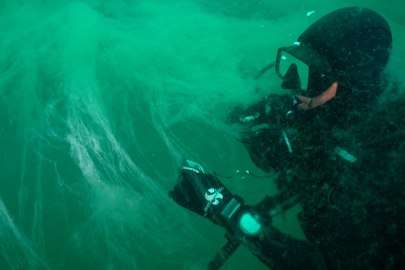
<point>101,100</point>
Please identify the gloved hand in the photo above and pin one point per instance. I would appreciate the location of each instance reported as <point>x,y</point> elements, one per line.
<point>280,107</point>
<point>205,195</point>
<point>262,129</point>
<point>270,112</point>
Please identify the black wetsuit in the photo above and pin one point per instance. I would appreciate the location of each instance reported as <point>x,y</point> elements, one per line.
<point>353,212</point>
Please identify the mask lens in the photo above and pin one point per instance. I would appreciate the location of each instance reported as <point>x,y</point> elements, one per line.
<point>286,60</point>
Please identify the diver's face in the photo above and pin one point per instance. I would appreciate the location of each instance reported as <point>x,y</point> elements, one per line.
<point>303,70</point>
<point>315,90</point>
<point>291,79</point>
<point>294,72</point>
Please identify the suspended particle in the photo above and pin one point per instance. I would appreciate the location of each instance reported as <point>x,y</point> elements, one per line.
<point>310,13</point>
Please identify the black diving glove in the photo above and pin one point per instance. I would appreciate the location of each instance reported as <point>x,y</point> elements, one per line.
<point>205,195</point>
<point>262,129</point>
<point>273,110</point>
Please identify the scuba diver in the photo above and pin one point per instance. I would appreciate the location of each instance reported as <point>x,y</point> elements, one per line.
<point>336,150</point>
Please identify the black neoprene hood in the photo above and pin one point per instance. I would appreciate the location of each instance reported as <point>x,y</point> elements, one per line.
<point>355,41</point>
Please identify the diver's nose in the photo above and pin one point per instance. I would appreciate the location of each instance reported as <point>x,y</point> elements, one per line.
<point>291,78</point>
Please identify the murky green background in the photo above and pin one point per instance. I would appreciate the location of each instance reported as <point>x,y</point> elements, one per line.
<point>101,100</point>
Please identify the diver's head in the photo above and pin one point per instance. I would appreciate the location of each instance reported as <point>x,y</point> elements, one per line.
<point>303,69</point>
<point>350,46</point>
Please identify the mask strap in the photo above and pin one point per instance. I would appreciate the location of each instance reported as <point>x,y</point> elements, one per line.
<point>266,68</point>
